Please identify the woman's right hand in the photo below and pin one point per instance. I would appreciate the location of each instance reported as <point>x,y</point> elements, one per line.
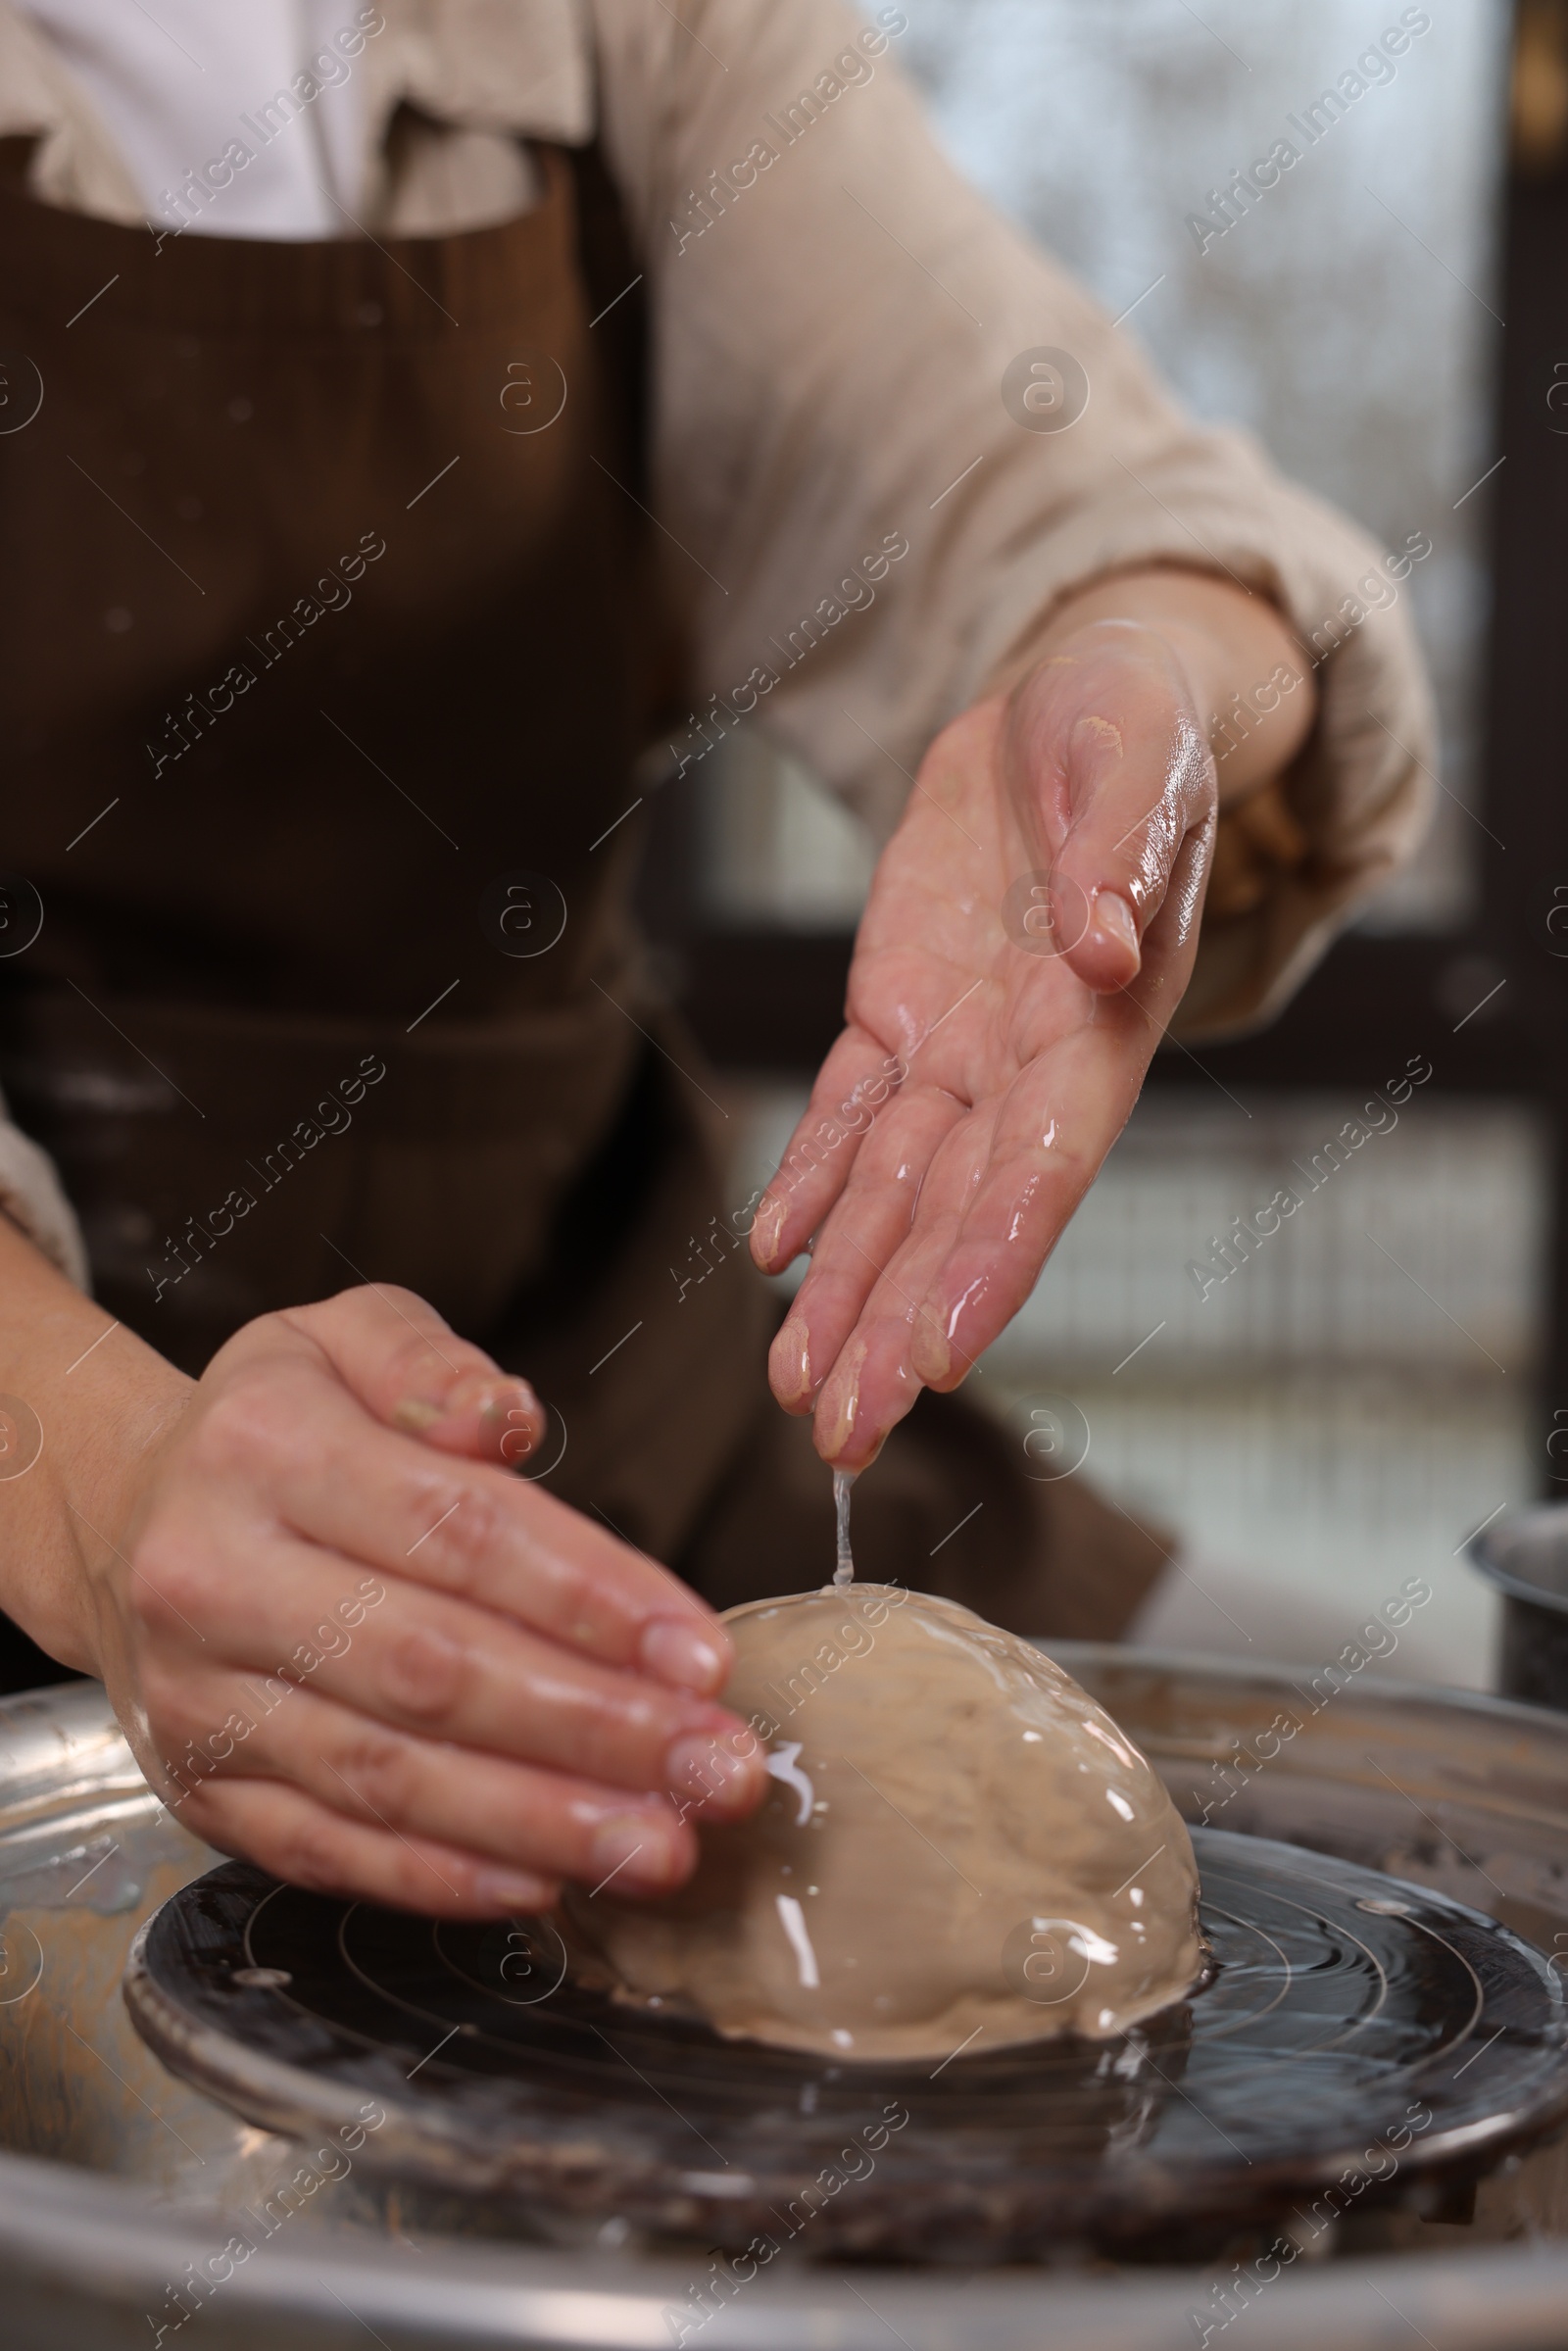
<point>348,1643</point>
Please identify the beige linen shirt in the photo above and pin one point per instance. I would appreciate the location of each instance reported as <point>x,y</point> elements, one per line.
<point>834,310</point>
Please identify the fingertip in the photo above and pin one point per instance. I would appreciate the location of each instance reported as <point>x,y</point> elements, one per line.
<point>1109,954</point>
<point>717,1775</point>
<point>767,1227</point>
<point>689,1651</point>
<point>937,1353</point>
<point>1115,919</point>
<point>503,1890</point>
<point>929,1351</point>
<point>954,1371</point>
<point>513,1422</point>
<point>644,1852</point>
<point>856,1452</point>
<point>848,1433</point>
<point>789,1365</point>
<point>491,1415</point>
<point>838,1407</point>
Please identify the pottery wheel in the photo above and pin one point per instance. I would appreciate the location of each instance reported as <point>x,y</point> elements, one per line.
<point>1352,2024</point>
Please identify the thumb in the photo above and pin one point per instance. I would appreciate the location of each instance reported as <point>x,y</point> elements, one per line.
<point>1119,728</point>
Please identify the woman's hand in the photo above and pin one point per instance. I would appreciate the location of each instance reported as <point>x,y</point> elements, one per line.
<point>1030,931</point>
<point>348,1643</point>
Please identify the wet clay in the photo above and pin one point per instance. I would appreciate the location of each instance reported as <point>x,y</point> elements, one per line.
<point>961,1850</point>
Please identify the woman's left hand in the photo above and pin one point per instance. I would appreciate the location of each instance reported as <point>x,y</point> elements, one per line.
<point>1030,931</point>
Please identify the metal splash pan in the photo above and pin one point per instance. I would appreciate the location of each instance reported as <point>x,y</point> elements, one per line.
<point>1354,2029</point>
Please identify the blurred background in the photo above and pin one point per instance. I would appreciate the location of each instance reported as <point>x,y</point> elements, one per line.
<point>1382,1380</point>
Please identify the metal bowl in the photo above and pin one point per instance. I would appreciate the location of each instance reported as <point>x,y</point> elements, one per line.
<point>1337,2004</point>
<point>121,2188</point>
<point>1525,1556</point>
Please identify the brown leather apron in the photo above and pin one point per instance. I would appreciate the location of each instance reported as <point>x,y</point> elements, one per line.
<point>329,646</point>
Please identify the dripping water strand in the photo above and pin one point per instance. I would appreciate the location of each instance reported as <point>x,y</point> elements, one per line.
<point>844,1567</point>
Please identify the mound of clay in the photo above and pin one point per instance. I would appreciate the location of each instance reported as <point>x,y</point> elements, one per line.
<point>962,1847</point>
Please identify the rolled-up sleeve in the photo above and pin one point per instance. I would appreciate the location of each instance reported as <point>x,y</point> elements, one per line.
<point>835,311</point>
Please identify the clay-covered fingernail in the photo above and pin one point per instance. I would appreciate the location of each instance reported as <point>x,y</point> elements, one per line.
<point>633,1847</point>
<point>837,1425</point>
<point>504,1407</point>
<point>685,1650</point>
<point>416,1413</point>
<point>490,1395</point>
<point>498,1399</point>
<point>767,1227</point>
<point>790,1362</point>
<point>929,1351</point>
<point>1115,919</point>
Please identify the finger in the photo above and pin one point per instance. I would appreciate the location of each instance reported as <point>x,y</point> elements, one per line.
<point>1139,777</point>
<point>409,1368</point>
<point>441,1668</point>
<point>337,1477</point>
<point>868,1223</point>
<point>857,1078</point>
<point>872,1384</point>
<point>1121,853</point>
<point>289,1833</point>
<point>1170,937</point>
<point>511,1814</point>
<point>1053,1130</point>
